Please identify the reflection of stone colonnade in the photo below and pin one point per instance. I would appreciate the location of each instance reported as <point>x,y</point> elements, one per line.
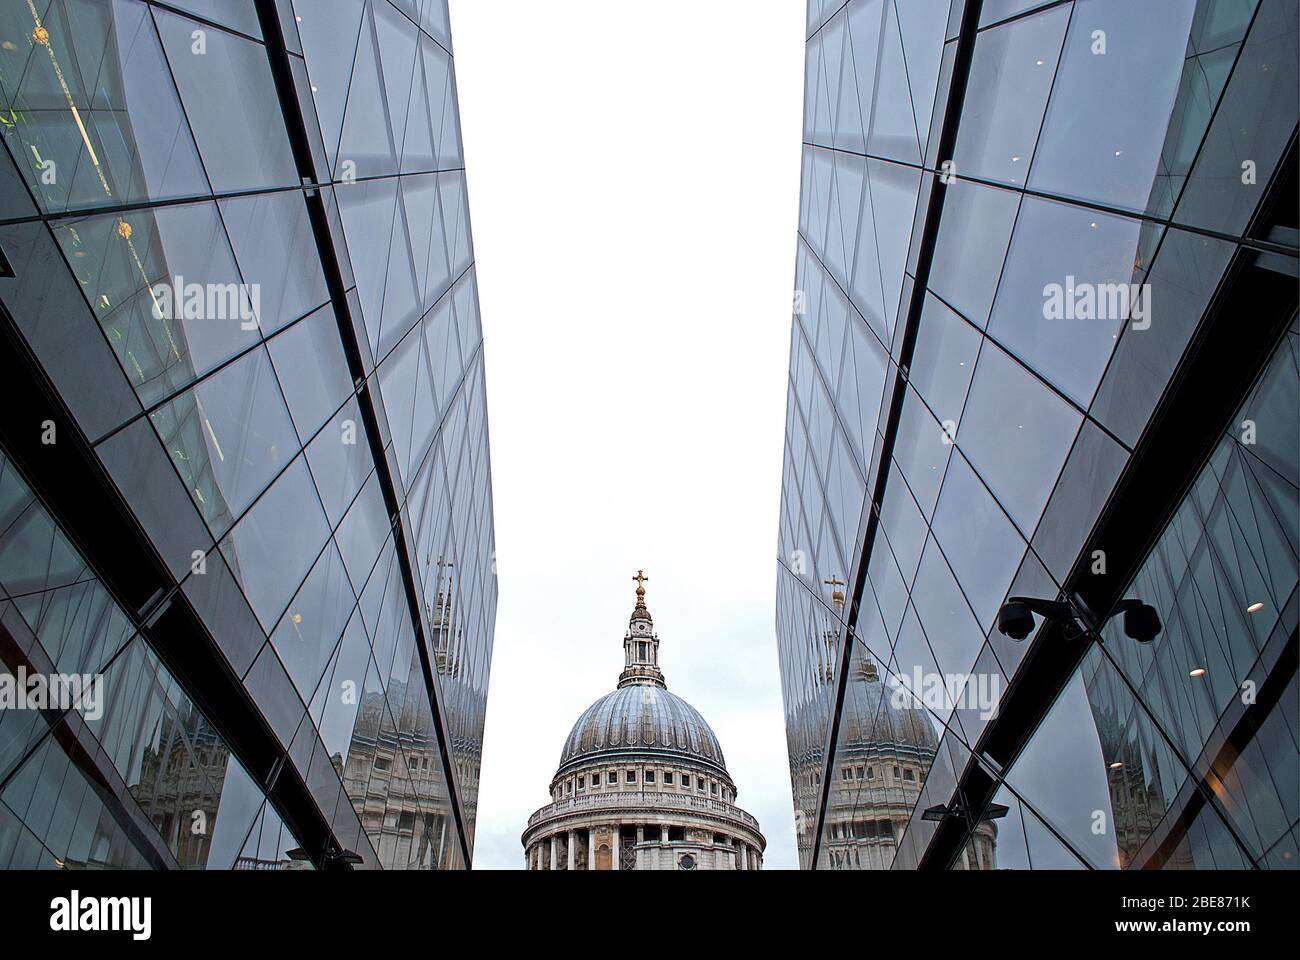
<point>395,784</point>
<point>180,778</point>
<point>883,757</point>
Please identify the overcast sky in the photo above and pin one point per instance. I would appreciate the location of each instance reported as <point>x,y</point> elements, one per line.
<point>633,179</point>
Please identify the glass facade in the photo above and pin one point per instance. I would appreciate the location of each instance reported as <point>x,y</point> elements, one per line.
<point>244,471</point>
<point>1044,344</point>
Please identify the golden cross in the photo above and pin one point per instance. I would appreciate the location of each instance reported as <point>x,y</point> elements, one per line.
<point>640,578</point>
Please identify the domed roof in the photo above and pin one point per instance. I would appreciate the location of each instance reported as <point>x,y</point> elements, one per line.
<point>643,718</point>
<point>872,719</point>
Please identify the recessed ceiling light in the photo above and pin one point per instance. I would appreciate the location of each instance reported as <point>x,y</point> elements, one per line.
<point>1117,765</point>
<point>1198,672</point>
<point>1118,152</point>
<point>1255,607</point>
<point>1039,62</point>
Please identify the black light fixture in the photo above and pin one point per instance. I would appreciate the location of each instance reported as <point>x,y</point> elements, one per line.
<point>1016,618</point>
<point>940,811</point>
<point>334,858</point>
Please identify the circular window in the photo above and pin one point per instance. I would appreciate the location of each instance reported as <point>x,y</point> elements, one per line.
<point>687,862</point>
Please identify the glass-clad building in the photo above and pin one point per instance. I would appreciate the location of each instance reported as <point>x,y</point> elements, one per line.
<point>1044,345</point>
<point>245,492</point>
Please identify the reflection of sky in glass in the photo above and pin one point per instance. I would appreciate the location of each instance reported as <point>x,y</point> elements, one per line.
<point>1012,389</point>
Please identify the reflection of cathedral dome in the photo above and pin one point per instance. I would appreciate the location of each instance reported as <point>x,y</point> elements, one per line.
<point>872,718</point>
<point>644,719</point>
<point>642,784</point>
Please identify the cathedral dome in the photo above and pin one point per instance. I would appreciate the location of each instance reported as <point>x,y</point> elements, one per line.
<point>641,719</point>
<point>642,784</point>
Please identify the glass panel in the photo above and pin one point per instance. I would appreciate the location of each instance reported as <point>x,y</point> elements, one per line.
<point>979,541</point>
<point>96,120</point>
<point>1254,120</point>
<point>893,122</point>
<point>228,437</point>
<point>1065,774</point>
<point>1016,433</point>
<point>313,373</point>
<point>954,635</point>
<point>368,147</point>
<point>970,248</point>
<point>229,96</point>
<point>1111,104</point>
<point>1061,305</point>
<point>164,287</point>
<point>943,360</point>
<point>239,15</point>
<point>1010,78</point>
<point>329,29</point>
<point>273,547</point>
<point>309,630</point>
<point>277,253</point>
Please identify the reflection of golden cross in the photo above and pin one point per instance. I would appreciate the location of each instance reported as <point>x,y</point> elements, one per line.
<point>640,578</point>
<point>837,595</point>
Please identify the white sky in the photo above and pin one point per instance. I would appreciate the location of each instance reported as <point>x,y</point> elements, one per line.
<point>633,176</point>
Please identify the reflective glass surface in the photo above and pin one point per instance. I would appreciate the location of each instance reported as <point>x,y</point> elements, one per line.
<point>311,467</point>
<point>1006,353</point>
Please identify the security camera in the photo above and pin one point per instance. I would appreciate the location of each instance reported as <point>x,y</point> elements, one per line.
<point>1015,620</point>
<point>1016,617</point>
<point>1141,621</point>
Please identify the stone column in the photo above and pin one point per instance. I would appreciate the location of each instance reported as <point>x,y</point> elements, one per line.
<point>617,854</point>
<point>591,848</point>
<point>744,856</point>
<point>573,849</point>
<point>554,853</point>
